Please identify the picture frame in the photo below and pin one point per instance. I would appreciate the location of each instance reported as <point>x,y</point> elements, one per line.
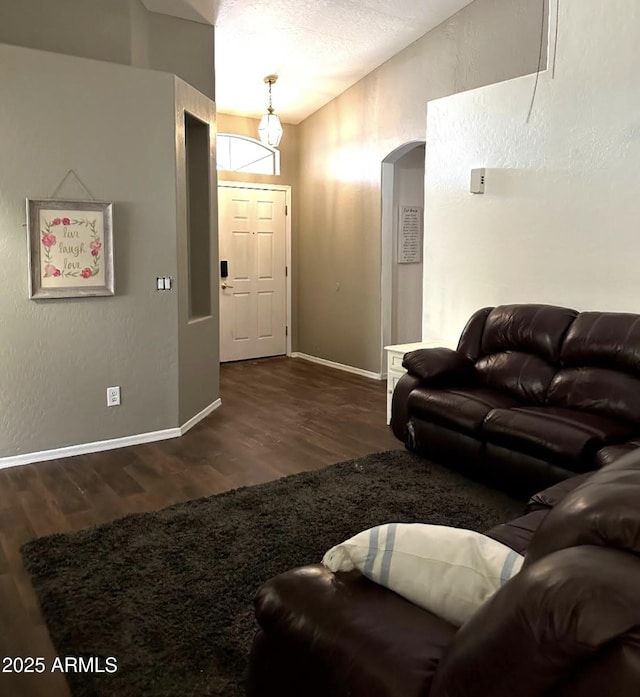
<point>410,234</point>
<point>70,247</point>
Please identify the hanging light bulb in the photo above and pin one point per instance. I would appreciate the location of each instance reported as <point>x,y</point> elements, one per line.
<point>270,128</point>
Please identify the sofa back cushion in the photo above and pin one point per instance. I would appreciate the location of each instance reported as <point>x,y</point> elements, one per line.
<point>535,329</point>
<point>602,510</point>
<point>524,376</point>
<point>471,338</point>
<point>572,613</point>
<point>605,339</point>
<point>520,349</point>
<point>606,392</point>
<point>601,366</point>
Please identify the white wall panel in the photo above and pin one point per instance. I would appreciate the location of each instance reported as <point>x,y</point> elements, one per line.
<point>558,223</point>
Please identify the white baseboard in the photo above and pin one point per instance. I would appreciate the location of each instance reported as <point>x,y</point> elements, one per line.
<point>199,416</point>
<point>338,366</point>
<point>110,444</point>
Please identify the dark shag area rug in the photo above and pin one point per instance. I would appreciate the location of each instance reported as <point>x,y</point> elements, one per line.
<point>169,594</point>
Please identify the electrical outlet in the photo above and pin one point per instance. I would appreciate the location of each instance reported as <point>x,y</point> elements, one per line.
<point>113,396</point>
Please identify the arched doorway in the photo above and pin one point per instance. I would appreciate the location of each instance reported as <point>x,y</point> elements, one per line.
<point>402,186</point>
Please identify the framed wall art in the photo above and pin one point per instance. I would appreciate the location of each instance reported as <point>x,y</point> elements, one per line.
<point>410,235</point>
<point>70,248</point>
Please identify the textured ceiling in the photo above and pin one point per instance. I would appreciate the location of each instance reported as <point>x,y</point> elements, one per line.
<point>318,48</point>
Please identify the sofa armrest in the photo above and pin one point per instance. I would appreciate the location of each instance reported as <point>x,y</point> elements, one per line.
<point>355,636</point>
<point>400,405</point>
<point>519,532</point>
<point>439,365</point>
<point>544,625</point>
<point>549,497</point>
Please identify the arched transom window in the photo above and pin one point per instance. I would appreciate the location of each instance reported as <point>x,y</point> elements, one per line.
<point>243,154</point>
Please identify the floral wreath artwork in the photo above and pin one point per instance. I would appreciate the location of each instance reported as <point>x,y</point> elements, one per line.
<point>70,248</point>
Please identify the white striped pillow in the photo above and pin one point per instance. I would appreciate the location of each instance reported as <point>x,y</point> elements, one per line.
<point>448,571</point>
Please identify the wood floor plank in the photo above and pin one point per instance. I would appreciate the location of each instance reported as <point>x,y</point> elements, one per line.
<point>278,417</point>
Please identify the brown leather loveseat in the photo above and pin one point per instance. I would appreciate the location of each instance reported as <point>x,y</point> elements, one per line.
<point>532,395</point>
<point>567,625</point>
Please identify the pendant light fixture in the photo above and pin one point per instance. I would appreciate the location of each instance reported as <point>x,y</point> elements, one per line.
<point>270,128</point>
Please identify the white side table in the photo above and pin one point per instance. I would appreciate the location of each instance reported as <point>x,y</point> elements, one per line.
<point>395,371</point>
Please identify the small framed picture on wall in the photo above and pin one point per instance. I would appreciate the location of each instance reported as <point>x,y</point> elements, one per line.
<point>410,235</point>
<point>70,248</point>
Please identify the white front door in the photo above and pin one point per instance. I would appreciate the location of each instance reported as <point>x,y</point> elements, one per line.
<point>253,303</point>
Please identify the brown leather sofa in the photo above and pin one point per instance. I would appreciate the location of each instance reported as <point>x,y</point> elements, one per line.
<point>532,395</point>
<point>567,625</point>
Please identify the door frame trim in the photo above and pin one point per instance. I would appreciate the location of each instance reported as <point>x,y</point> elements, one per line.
<point>388,221</point>
<point>287,244</point>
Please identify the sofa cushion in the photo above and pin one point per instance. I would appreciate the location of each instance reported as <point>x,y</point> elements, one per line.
<point>536,329</point>
<point>598,390</point>
<point>606,339</point>
<point>524,376</point>
<point>519,532</point>
<point>547,627</point>
<point>610,453</point>
<point>368,640</point>
<point>603,510</point>
<point>471,337</point>
<point>439,365</point>
<point>462,409</point>
<point>552,433</point>
<point>549,497</point>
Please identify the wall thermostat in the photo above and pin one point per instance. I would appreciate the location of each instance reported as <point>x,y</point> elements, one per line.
<point>478,177</point>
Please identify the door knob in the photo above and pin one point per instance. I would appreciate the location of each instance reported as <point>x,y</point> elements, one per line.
<point>226,285</point>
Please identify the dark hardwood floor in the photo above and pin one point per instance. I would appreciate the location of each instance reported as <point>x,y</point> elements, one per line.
<point>278,416</point>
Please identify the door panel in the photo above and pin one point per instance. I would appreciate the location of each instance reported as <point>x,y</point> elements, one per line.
<point>265,256</point>
<point>264,210</point>
<point>265,314</point>
<point>241,256</point>
<point>253,297</point>
<point>241,316</point>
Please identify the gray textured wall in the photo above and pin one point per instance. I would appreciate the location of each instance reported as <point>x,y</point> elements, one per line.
<point>199,342</point>
<point>342,146</point>
<point>88,28</point>
<point>183,48</point>
<point>119,31</point>
<point>59,113</point>
<point>58,356</point>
